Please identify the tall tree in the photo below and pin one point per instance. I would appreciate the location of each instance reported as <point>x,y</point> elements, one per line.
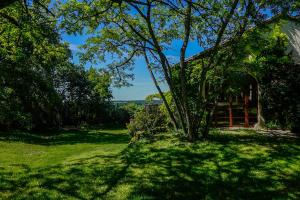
<point>5,3</point>
<point>130,29</point>
<point>39,86</point>
<point>30,55</point>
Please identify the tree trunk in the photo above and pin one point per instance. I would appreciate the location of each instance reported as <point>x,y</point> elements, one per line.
<point>183,65</point>
<point>170,113</point>
<point>230,112</point>
<point>165,67</point>
<point>246,107</point>
<point>192,133</point>
<point>208,120</point>
<point>260,119</point>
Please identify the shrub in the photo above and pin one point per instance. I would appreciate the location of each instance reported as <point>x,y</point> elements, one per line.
<point>146,123</point>
<point>273,125</point>
<point>131,108</point>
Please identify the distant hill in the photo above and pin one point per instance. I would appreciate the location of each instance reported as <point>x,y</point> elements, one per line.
<point>139,102</point>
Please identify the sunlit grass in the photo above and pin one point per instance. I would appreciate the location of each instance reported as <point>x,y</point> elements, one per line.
<point>239,164</point>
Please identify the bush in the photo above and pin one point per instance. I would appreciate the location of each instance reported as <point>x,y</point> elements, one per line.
<point>273,125</point>
<point>131,108</point>
<point>146,123</point>
<point>280,86</point>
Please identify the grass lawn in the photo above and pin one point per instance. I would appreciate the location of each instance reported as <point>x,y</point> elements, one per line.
<point>99,164</point>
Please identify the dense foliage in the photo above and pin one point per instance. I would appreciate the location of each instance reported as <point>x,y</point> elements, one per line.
<point>281,96</point>
<point>147,122</point>
<point>266,56</point>
<point>126,30</point>
<point>280,84</point>
<point>39,86</point>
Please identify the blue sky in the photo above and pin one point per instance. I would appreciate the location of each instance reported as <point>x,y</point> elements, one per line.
<point>142,84</point>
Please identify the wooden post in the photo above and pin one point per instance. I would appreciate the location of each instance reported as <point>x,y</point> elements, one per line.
<point>230,112</point>
<point>246,112</point>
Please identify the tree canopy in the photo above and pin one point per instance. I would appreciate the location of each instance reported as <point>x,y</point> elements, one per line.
<point>126,30</point>
<point>39,78</point>
<point>40,87</point>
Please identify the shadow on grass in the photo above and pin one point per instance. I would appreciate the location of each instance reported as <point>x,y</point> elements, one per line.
<point>67,137</point>
<point>229,166</point>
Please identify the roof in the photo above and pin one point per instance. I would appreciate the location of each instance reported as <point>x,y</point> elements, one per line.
<point>230,41</point>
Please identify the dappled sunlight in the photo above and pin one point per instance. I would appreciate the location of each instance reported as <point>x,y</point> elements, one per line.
<point>234,165</point>
<point>122,99</point>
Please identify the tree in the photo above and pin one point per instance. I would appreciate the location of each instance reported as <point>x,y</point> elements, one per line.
<point>85,95</point>
<point>30,55</point>
<point>280,85</point>
<point>5,3</point>
<point>264,55</point>
<point>39,86</point>
<point>130,29</point>
<point>260,49</point>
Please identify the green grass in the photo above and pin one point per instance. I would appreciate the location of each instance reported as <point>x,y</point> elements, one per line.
<point>99,164</point>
